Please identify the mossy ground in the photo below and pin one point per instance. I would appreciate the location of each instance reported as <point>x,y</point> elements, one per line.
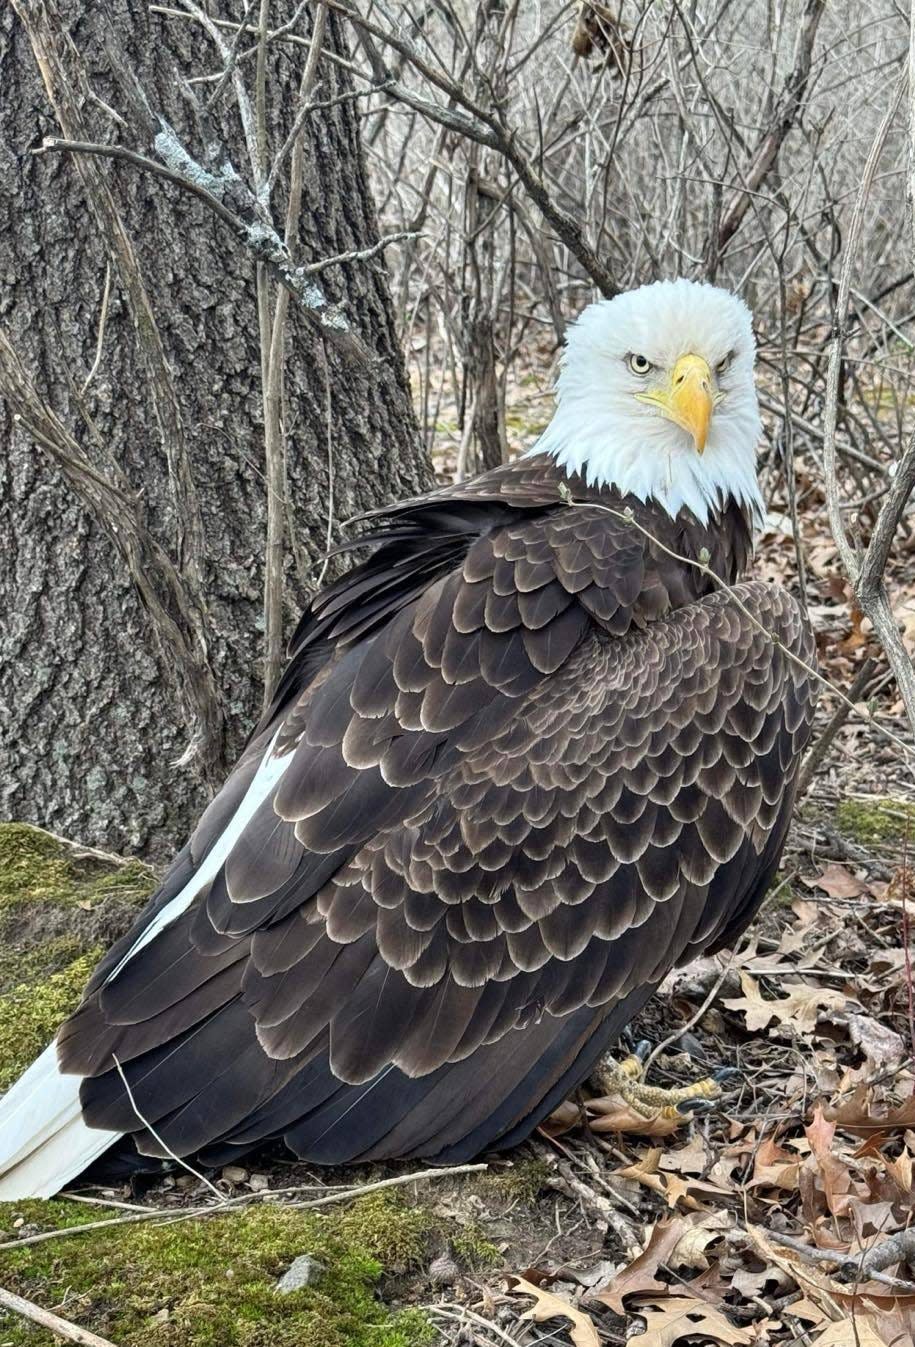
<point>36,867</point>
<point>58,912</point>
<point>210,1282</point>
<point>181,1281</point>
<point>31,1012</point>
<point>877,819</point>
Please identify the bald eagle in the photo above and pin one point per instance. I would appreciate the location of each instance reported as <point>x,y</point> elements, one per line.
<point>524,759</point>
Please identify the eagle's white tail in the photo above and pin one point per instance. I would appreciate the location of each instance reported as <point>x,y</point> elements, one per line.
<point>44,1143</point>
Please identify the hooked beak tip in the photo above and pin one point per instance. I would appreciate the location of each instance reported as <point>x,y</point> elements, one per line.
<point>689,399</point>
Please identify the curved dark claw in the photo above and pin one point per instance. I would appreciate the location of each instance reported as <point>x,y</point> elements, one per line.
<point>726,1073</point>
<point>696,1106</point>
<point>642,1049</point>
<point>690,1044</point>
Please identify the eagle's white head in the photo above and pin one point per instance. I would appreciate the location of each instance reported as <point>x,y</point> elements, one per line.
<point>656,397</point>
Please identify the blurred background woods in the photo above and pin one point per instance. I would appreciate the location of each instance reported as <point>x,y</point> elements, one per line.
<point>524,159</point>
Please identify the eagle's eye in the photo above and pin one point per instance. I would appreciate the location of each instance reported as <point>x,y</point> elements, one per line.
<point>639,364</point>
<point>724,365</point>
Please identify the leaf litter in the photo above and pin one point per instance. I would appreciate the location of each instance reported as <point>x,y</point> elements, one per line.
<point>772,1217</point>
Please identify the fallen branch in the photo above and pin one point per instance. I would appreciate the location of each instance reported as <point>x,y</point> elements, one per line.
<point>859,1267</point>
<point>899,1248</point>
<point>606,1211</point>
<point>82,852</point>
<point>396,1182</point>
<point>167,1217</point>
<point>61,1328</point>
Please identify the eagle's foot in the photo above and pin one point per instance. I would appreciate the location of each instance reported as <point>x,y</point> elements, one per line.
<point>625,1078</point>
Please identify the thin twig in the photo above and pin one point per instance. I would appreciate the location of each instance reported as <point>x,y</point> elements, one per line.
<point>102,319</point>
<point>61,1328</point>
<point>328,418</point>
<point>396,1182</point>
<point>82,851</point>
<point>627,517</point>
<point>306,86</point>
<point>819,750</point>
<point>866,574</point>
<point>232,60</point>
<point>228,1204</point>
<point>220,1197</point>
<point>359,254</point>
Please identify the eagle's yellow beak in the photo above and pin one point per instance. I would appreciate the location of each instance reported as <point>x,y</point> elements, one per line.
<point>689,398</point>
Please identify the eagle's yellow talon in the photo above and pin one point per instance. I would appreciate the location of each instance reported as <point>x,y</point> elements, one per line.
<point>625,1079</point>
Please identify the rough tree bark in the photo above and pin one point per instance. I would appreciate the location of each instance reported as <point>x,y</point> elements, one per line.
<point>90,719</point>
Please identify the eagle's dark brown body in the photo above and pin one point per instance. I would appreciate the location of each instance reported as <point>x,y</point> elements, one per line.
<point>535,762</point>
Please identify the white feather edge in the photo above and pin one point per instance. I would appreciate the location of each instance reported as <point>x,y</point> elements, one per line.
<point>44,1142</point>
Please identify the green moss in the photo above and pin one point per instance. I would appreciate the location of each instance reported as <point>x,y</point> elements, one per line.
<point>782,893</point>
<point>18,966</point>
<point>58,911</point>
<point>474,1250</point>
<point>390,1230</point>
<point>30,1014</point>
<point>521,1183</point>
<point>211,1282</point>
<point>32,865</point>
<point>35,866</point>
<point>876,819</point>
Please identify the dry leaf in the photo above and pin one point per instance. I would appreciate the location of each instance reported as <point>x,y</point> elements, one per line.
<point>690,1249</point>
<point>799,1008</point>
<point>749,1284</point>
<point>549,1306</point>
<point>667,1321</point>
<point>838,882</point>
<point>562,1119</point>
<point>613,1114</point>
<point>850,1333</point>
<point>774,1167</point>
<point>689,1159</point>
<point>805,1309</point>
<point>855,1115</point>
<point>823,1171</point>
<point>879,1043</point>
<point>639,1276</point>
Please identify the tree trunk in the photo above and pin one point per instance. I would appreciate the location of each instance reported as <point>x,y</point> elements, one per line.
<point>93,720</point>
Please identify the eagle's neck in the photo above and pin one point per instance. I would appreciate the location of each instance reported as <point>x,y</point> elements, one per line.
<point>654,462</point>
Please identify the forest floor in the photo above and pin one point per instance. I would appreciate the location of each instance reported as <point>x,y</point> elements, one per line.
<point>746,1223</point>
<point>777,1214</point>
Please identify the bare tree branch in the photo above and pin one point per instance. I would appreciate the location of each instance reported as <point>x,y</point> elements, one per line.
<point>866,574</point>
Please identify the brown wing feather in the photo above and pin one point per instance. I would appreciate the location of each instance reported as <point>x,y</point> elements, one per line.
<point>520,799</point>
